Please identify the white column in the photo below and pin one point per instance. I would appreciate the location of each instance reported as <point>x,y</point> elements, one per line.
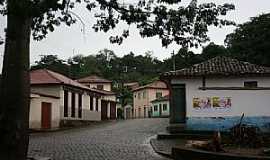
<point>69,104</point>
<point>61,104</point>
<point>76,105</point>
<point>99,104</point>
<point>108,110</point>
<point>94,103</point>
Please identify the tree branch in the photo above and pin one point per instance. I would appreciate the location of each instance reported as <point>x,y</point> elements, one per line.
<point>79,18</point>
<point>44,6</point>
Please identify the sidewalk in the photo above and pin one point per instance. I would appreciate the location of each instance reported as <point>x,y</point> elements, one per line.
<point>164,146</point>
<point>73,127</point>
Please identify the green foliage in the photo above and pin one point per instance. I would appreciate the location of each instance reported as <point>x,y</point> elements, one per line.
<point>124,94</point>
<point>53,63</point>
<point>183,58</point>
<point>212,50</point>
<point>185,25</point>
<point>251,40</point>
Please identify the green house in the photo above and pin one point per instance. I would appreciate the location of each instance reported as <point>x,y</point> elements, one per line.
<point>160,107</point>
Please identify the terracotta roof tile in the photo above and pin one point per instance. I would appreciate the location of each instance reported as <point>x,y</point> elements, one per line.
<point>93,79</point>
<point>155,85</point>
<point>103,91</point>
<point>220,65</point>
<point>45,76</point>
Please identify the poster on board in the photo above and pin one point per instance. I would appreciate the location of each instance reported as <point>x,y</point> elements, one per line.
<point>212,103</point>
<point>201,103</point>
<point>222,102</point>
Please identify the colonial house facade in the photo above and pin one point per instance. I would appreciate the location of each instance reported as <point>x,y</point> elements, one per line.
<point>96,82</point>
<point>57,100</point>
<point>109,102</point>
<point>213,95</point>
<point>142,97</point>
<point>160,107</point>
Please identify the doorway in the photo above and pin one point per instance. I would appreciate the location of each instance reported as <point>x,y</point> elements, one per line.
<point>46,115</point>
<point>178,104</point>
<point>104,112</point>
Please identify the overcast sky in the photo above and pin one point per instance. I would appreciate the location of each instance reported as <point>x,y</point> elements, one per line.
<point>67,41</point>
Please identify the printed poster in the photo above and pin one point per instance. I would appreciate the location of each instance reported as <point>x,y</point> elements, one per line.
<point>206,103</point>
<point>222,102</point>
<point>201,103</point>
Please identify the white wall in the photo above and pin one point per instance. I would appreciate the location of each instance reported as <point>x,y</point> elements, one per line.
<point>109,97</point>
<point>106,86</point>
<point>49,90</point>
<point>35,112</point>
<point>250,102</point>
<point>87,114</point>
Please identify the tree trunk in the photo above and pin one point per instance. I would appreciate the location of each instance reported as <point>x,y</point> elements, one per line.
<point>15,88</point>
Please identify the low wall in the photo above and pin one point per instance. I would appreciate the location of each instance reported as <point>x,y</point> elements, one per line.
<point>225,123</point>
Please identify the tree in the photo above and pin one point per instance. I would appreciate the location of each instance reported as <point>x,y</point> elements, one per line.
<point>212,50</point>
<point>53,63</point>
<point>186,26</point>
<point>183,58</point>
<point>251,40</point>
<point>1,40</point>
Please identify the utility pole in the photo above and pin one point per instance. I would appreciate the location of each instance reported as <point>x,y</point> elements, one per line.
<point>173,59</point>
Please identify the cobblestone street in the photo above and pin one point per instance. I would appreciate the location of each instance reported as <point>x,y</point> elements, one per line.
<point>119,140</point>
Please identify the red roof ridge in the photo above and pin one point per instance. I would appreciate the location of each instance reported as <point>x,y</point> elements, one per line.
<point>51,75</point>
<point>93,78</point>
<point>154,85</point>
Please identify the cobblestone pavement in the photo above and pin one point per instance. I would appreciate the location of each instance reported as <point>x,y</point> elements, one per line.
<point>120,140</point>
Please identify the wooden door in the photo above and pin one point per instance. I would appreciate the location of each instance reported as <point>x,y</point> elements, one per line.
<point>112,110</point>
<point>178,104</point>
<point>104,112</point>
<point>46,113</point>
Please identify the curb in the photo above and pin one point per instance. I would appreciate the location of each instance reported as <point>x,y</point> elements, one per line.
<point>165,154</point>
<point>94,124</point>
<point>180,153</point>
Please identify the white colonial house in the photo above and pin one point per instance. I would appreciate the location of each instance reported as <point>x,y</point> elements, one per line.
<point>109,103</point>
<point>57,100</point>
<point>213,95</point>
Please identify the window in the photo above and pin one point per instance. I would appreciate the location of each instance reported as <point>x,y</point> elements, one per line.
<point>144,94</point>
<point>80,106</point>
<point>91,103</point>
<point>164,107</point>
<point>251,84</point>
<point>73,105</point>
<point>100,87</point>
<point>158,94</point>
<point>155,107</point>
<point>65,103</point>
